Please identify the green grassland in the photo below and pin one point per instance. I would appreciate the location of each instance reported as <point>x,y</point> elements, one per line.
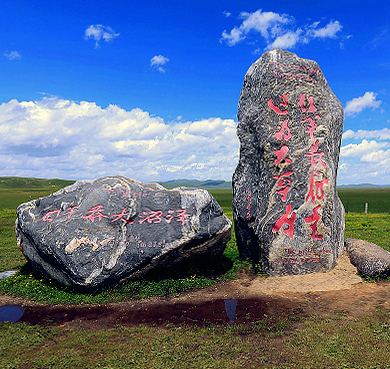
<point>13,191</point>
<point>354,199</point>
<point>16,190</point>
<point>309,340</point>
<point>333,341</point>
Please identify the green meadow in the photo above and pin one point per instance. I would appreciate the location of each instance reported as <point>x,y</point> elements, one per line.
<point>354,199</point>
<point>373,227</point>
<point>310,340</point>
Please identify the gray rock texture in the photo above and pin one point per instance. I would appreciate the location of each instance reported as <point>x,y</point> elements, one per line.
<point>96,233</point>
<point>286,210</point>
<point>368,258</point>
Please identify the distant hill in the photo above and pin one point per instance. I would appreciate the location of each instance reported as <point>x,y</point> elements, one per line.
<point>22,182</point>
<point>37,183</point>
<point>207,184</point>
<point>362,185</point>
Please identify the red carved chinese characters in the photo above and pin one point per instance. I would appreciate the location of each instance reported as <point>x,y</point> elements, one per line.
<point>151,217</point>
<point>155,216</point>
<point>71,211</point>
<point>276,109</point>
<point>95,212</point>
<point>51,215</point>
<point>318,192</point>
<point>181,216</point>
<point>169,216</point>
<point>288,219</point>
<point>311,127</point>
<point>283,181</point>
<point>301,102</point>
<point>314,220</point>
<point>316,187</point>
<point>284,133</point>
<point>295,72</point>
<point>315,155</point>
<point>281,154</point>
<point>121,215</point>
<point>284,184</point>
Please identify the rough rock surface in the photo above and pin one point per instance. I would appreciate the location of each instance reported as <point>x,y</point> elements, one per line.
<point>286,210</point>
<point>96,233</point>
<point>368,258</point>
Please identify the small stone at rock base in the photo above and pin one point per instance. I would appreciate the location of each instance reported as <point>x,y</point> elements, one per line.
<point>96,233</point>
<point>368,258</point>
<point>7,274</point>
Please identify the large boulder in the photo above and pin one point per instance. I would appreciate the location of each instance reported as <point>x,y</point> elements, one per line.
<point>286,210</point>
<point>96,233</point>
<point>368,258</point>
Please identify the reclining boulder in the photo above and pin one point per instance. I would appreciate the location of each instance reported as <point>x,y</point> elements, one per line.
<point>96,233</point>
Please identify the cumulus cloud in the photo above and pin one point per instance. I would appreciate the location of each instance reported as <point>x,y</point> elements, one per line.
<point>358,104</point>
<point>365,147</point>
<point>286,41</point>
<point>379,156</point>
<point>53,137</point>
<point>12,55</point>
<point>98,32</point>
<point>366,171</point>
<point>366,161</point>
<point>278,30</point>
<point>329,31</point>
<point>266,23</point>
<point>158,61</point>
<point>380,134</point>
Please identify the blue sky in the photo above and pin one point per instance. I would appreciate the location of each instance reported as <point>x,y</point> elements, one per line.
<point>150,89</point>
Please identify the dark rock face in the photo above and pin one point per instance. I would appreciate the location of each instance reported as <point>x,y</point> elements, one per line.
<point>96,233</point>
<point>286,210</point>
<point>368,258</point>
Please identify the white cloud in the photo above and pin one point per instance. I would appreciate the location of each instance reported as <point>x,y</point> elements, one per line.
<point>226,14</point>
<point>367,161</point>
<point>348,134</point>
<point>329,31</point>
<point>99,32</point>
<point>363,148</point>
<point>379,156</point>
<point>12,55</point>
<point>365,171</point>
<point>158,61</point>
<point>357,104</point>
<point>266,23</point>
<point>286,41</point>
<point>381,134</point>
<point>278,30</point>
<point>53,137</point>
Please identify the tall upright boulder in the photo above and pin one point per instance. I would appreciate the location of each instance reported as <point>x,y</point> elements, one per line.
<point>286,210</point>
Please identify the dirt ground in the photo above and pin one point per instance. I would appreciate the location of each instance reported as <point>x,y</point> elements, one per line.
<point>339,291</point>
